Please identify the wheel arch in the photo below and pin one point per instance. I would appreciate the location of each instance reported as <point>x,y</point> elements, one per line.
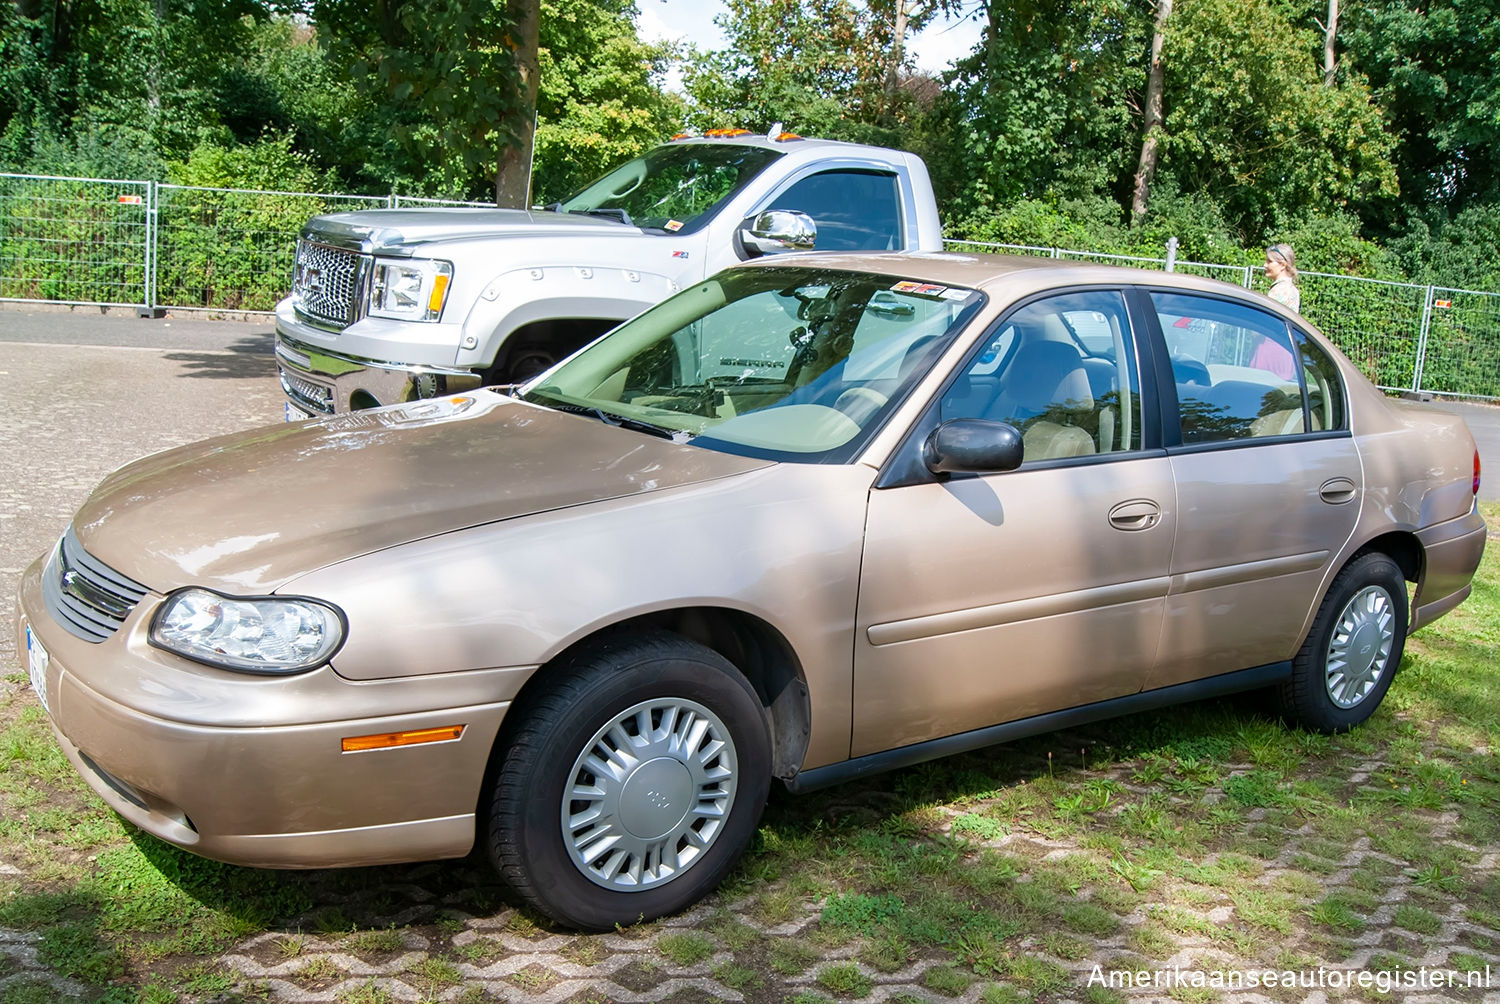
<point>560,335</point>
<point>1402,547</point>
<point>753,645</point>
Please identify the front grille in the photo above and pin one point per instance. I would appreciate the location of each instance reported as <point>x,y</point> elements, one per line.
<point>325,282</point>
<point>306,394</point>
<point>84,595</point>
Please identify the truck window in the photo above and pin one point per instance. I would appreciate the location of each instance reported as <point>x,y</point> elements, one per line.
<point>854,210</point>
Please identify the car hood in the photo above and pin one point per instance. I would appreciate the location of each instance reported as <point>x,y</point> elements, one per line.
<point>245,513</point>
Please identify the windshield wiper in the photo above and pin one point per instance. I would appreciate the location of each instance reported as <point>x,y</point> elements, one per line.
<point>620,421</point>
<point>618,215</point>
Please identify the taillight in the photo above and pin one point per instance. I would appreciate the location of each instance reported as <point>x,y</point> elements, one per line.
<point>1476,470</point>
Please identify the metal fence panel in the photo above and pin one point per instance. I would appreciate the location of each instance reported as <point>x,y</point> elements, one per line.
<point>1463,344</point>
<point>1099,258</point>
<point>233,249</point>
<point>73,240</point>
<point>1377,324</point>
<point>412,200</point>
<point>992,248</point>
<point>1237,274</point>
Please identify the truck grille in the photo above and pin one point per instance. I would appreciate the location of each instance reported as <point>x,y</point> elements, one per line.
<point>325,282</point>
<point>84,595</point>
<point>309,396</point>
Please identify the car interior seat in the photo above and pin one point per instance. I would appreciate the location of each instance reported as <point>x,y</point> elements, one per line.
<point>1046,395</point>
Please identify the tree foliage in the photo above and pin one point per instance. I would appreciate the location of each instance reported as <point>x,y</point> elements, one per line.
<point>445,74</point>
<point>601,99</point>
<point>1046,107</point>
<point>1250,123</point>
<point>1032,138</point>
<point>1433,70</point>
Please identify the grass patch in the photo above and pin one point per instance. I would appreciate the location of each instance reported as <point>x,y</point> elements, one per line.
<point>846,980</point>
<point>685,949</point>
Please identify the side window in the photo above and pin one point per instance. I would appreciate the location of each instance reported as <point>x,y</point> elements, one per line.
<point>1325,389</point>
<point>1063,371</point>
<point>854,210</point>
<point>1234,367</point>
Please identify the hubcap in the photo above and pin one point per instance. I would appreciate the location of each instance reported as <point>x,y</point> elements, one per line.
<point>1360,649</point>
<point>649,794</point>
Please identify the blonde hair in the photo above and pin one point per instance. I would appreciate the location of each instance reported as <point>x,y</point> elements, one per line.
<point>1287,257</point>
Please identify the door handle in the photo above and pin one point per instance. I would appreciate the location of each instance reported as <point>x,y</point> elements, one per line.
<point>1137,514</point>
<point>1337,491</point>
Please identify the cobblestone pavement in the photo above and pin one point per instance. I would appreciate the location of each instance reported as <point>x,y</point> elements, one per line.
<point>445,932</point>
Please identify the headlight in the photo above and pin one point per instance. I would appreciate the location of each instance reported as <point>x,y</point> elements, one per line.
<point>410,289</point>
<point>270,634</point>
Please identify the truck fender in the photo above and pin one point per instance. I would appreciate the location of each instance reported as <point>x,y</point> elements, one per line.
<point>522,297</point>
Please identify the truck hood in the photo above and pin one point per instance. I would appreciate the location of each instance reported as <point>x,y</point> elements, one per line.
<point>386,230</point>
<point>247,512</point>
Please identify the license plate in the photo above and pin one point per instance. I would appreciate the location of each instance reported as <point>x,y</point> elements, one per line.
<point>295,414</point>
<point>36,666</point>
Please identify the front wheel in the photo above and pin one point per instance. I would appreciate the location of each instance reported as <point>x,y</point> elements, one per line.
<point>633,783</point>
<point>1344,668</point>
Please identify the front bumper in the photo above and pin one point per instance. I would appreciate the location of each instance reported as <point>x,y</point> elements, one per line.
<point>250,770</point>
<point>320,380</point>
<point>1451,554</point>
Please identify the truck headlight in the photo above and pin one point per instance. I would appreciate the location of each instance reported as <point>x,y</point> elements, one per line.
<point>410,289</point>
<point>268,634</point>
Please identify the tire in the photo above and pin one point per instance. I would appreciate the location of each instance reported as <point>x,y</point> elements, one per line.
<point>671,824</point>
<point>526,361</point>
<point>1344,668</point>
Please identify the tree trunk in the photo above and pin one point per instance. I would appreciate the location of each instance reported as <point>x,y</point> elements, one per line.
<point>513,174</point>
<point>1150,145</point>
<point>1329,66</point>
<point>898,45</point>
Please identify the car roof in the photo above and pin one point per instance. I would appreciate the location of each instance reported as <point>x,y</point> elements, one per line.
<point>1007,276</point>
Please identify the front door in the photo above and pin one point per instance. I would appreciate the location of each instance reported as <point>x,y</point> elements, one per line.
<point>986,599</point>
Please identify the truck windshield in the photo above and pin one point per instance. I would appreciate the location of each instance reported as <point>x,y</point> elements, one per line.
<point>675,188</point>
<point>787,363</point>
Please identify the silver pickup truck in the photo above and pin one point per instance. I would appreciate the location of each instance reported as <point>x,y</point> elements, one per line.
<point>395,305</point>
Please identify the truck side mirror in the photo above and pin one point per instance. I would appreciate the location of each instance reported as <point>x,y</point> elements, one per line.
<point>777,231</point>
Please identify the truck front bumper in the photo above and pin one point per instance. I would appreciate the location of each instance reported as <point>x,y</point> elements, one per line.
<point>362,372</point>
<point>319,382</point>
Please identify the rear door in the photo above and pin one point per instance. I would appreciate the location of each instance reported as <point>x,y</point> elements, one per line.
<point>1267,478</point>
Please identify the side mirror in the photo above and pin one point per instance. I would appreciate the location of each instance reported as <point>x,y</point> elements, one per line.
<point>973,445</point>
<point>779,230</point>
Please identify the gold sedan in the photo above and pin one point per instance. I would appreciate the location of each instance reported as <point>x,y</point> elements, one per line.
<point>814,517</point>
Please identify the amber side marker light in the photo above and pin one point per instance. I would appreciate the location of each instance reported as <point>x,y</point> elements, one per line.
<point>391,740</point>
<point>439,294</point>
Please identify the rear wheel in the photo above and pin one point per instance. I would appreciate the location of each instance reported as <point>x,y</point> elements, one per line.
<point>633,783</point>
<point>1345,666</point>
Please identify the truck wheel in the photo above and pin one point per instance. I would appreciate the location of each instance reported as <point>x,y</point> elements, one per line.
<point>633,783</point>
<point>526,361</point>
<point>1344,668</point>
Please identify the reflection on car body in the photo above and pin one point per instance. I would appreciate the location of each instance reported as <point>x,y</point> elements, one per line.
<point>808,519</point>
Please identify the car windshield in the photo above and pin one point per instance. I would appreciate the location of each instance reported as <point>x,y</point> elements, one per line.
<point>675,188</point>
<point>787,363</point>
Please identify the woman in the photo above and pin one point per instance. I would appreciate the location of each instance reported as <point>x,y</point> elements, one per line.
<point>1281,269</point>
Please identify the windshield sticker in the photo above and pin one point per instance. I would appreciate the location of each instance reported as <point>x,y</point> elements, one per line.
<point>673,225</point>
<point>919,288</point>
<point>956,294</point>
